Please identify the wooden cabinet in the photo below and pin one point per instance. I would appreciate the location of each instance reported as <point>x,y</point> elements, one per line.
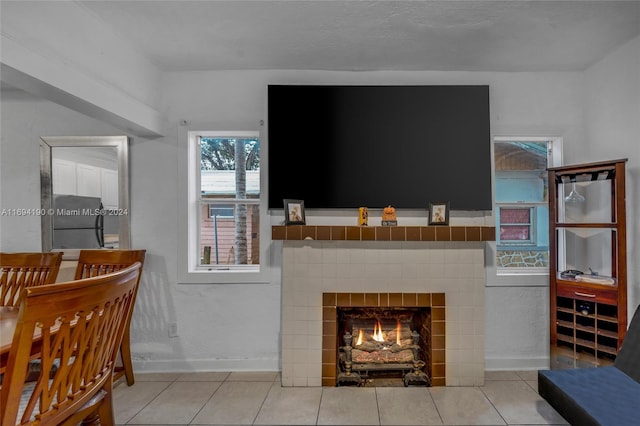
<point>75,178</point>
<point>64,176</point>
<point>109,192</point>
<point>588,260</point>
<point>88,183</point>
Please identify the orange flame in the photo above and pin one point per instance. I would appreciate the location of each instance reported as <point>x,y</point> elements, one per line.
<point>360,338</point>
<point>377,332</point>
<point>398,333</point>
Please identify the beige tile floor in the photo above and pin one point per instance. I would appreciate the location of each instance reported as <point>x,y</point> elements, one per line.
<point>256,398</point>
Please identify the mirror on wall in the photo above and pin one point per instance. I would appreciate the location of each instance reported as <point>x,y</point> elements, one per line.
<point>85,190</point>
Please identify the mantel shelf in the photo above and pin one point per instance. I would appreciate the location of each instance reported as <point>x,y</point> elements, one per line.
<point>382,233</point>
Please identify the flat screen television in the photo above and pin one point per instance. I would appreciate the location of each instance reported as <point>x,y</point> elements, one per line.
<point>339,147</point>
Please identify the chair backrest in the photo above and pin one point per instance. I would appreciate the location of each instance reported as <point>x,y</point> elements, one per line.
<point>80,324</point>
<point>20,270</point>
<point>92,263</point>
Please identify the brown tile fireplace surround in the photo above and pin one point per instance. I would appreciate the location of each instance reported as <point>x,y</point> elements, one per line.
<point>333,302</point>
<point>326,267</point>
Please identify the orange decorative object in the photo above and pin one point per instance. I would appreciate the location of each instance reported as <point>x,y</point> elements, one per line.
<point>389,213</point>
<point>363,216</point>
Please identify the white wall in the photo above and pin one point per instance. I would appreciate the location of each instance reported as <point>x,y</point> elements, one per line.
<point>237,326</point>
<point>612,116</point>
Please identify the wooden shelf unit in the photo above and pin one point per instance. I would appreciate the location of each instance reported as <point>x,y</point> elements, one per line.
<point>588,320</point>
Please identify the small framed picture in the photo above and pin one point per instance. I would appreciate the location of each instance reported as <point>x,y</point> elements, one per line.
<point>294,212</point>
<point>439,213</point>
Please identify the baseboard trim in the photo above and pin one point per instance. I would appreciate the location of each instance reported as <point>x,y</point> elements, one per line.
<point>515,364</point>
<point>187,366</point>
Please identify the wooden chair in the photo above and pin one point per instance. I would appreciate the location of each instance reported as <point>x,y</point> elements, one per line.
<point>92,263</point>
<point>81,325</point>
<point>20,270</point>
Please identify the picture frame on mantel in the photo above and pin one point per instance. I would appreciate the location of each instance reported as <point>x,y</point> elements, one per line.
<point>294,212</point>
<point>439,213</point>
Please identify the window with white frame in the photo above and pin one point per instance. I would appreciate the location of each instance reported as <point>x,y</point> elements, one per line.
<point>224,202</point>
<point>521,202</point>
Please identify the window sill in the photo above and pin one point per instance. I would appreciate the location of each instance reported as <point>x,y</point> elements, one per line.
<point>224,277</point>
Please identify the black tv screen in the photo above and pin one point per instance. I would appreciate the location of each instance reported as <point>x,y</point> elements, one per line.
<point>351,146</point>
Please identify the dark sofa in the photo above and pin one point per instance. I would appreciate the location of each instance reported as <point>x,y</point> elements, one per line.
<point>606,396</point>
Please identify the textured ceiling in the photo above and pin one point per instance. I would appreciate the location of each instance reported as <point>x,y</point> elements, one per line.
<point>372,35</point>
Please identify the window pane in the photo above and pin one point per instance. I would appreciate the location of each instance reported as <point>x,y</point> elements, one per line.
<point>230,240</point>
<point>515,215</point>
<point>514,233</point>
<point>219,174</point>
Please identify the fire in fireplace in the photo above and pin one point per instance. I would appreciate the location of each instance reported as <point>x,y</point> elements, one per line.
<point>383,343</point>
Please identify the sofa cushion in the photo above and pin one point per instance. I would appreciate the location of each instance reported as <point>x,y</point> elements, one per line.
<point>627,358</point>
<point>592,396</point>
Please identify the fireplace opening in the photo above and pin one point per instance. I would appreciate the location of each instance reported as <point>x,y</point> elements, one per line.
<point>384,346</point>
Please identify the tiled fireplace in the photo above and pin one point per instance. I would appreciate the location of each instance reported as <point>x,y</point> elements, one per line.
<point>428,308</point>
<point>315,274</point>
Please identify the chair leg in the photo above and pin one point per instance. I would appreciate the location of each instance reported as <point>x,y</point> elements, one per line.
<point>106,412</point>
<point>125,353</point>
<point>92,420</point>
